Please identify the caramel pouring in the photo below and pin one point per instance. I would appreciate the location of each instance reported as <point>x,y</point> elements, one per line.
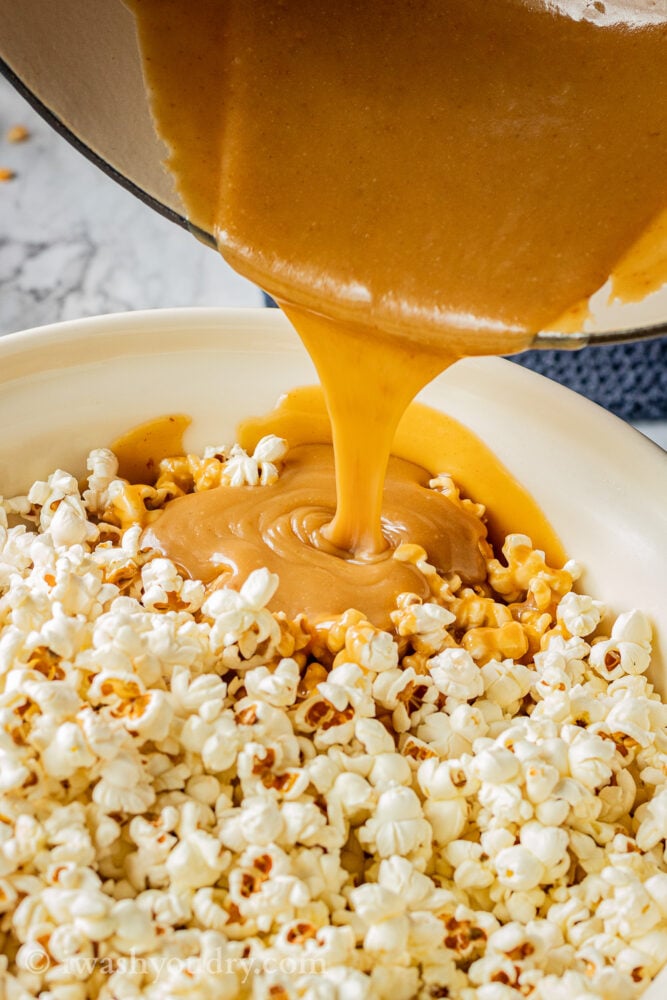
<point>435,441</point>
<point>234,530</point>
<point>229,532</point>
<point>413,185</point>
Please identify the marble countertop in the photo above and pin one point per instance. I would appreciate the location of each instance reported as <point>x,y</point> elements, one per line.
<point>73,243</point>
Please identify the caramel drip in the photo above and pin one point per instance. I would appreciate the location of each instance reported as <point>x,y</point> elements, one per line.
<point>435,441</point>
<point>230,531</point>
<point>367,386</point>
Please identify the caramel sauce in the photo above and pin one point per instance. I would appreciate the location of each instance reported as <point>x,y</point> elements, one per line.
<point>434,441</point>
<point>232,530</point>
<point>237,529</point>
<point>140,449</point>
<point>412,183</point>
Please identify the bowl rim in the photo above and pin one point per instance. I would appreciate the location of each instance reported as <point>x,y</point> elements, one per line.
<point>133,332</point>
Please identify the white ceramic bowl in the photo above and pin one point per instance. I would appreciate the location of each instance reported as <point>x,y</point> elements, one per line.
<point>67,388</point>
<point>70,387</point>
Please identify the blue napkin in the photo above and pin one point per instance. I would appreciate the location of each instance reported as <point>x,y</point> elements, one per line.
<point>628,379</point>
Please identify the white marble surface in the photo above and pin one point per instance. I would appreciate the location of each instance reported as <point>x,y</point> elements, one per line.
<point>73,243</point>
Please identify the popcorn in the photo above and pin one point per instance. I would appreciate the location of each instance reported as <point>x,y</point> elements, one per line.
<point>496,766</point>
<point>278,687</point>
<point>470,802</point>
<point>66,752</point>
<point>579,614</point>
<point>518,868</point>
<point>373,737</point>
<point>123,787</point>
<point>634,627</point>
<point>241,469</point>
<point>240,618</point>
<point>456,675</point>
<point>196,862</point>
<point>102,465</point>
<point>397,826</point>
<point>164,589</point>
<point>549,844</point>
<point>652,827</point>
<point>447,817</point>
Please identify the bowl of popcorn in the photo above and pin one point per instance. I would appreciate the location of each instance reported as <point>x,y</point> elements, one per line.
<point>201,797</point>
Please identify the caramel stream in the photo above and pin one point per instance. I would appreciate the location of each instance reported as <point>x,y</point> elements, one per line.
<point>231,530</point>
<point>412,184</point>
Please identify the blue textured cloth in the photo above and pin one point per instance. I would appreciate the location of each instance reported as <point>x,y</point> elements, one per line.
<point>628,379</point>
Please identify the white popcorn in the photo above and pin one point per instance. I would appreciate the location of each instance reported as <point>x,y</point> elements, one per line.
<point>397,826</point>
<point>152,719</point>
<point>653,822</point>
<point>505,803</point>
<point>13,773</point>
<point>579,614</point>
<point>590,759</point>
<point>618,799</point>
<point>163,586</point>
<point>496,766</point>
<point>278,687</point>
<point>235,613</point>
<point>547,843</point>
<point>518,868</point>
<point>469,722</point>
<point>355,795</point>
<point>427,621</point>
<point>197,861</point>
<point>633,626</point>
<point>373,737</point>
<point>66,752</point>
<point>540,780</point>
<point>379,653</point>
<point>448,818</point>
<point>630,913</point>
<point>651,948</point>
<point>568,655</point>
<point>389,685</point>
<point>102,465</point>
<point>135,933</point>
<point>167,790</point>
<point>240,469</point>
<point>257,821</point>
<point>656,886</point>
<point>389,769</point>
<point>506,682</point>
<point>438,732</point>
<point>442,779</point>
<point>374,903</point>
<point>612,658</point>
<point>456,675</point>
<point>631,717</point>
<point>122,786</point>
<point>346,685</point>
